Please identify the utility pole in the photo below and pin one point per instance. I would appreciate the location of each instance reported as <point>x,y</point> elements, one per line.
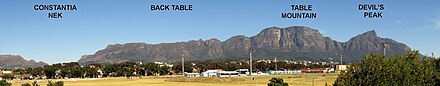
<point>250,62</point>
<point>384,48</point>
<point>341,58</point>
<point>276,64</point>
<point>183,65</point>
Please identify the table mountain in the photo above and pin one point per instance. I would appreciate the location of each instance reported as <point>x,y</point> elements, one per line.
<point>16,62</point>
<point>291,43</point>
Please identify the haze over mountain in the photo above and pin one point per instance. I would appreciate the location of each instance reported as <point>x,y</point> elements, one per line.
<point>17,62</point>
<point>291,43</point>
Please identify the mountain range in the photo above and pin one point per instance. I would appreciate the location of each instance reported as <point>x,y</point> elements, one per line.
<point>291,43</point>
<point>18,62</point>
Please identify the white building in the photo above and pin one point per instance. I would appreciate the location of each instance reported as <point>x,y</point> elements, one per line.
<point>340,68</point>
<point>243,71</point>
<point>285,72</point>
<point>192,74</point>
<point>227,73</point>
<point>220,73</point>
<point>210,73</point>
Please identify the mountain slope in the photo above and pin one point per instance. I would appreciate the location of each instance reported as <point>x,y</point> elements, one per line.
<point>16,61</point>
<point>369,42</point>
<point>291,43</point>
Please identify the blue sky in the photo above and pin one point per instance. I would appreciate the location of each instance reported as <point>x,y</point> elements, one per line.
<point>98,23</point>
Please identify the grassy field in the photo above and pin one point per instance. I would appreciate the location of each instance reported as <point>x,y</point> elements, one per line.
<point>293,80</point>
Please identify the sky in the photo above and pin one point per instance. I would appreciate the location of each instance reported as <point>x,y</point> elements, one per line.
<point>98,23</point>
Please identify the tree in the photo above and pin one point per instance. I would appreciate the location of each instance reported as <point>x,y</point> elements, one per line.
<point>178,68</point>
<point>277,82</point>
<point>49,71</point>
<point>35,71</point>
<point>8,76</point>
<point>4,83</point>
<point>408,70</point>
<point>91,72</point>
<point>120,69</point>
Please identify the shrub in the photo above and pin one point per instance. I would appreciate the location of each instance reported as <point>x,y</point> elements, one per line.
<point>35,83</point>
<point>277,82</point>
<point>27,84</point>
<point>4,83</point>
<point>57,83</point>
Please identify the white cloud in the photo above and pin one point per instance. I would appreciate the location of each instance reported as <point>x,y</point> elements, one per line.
<point>436,25</point>
<point>398,22</point>
<point>432,24</point>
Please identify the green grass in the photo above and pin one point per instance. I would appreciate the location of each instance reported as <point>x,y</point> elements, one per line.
<point>294,80</point>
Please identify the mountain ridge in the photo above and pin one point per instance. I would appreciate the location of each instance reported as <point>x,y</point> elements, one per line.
<point>290,43</point>
<point>17,62</point>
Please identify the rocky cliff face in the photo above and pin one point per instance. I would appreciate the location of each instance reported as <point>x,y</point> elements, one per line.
<point>291,43</point>
<point>296,39</point>
<point>165,52</point>
<point>369,42</point>
<point>16,62</point>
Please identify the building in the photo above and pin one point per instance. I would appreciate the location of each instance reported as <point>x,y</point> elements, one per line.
<point>340,68</point>
<point>285,72</point>
<point>161,64</point>
<point>243,71</point>
<point>6,72</point>
<point>222,73</point>
<point>227,73</point>
<point>210,73</point>
<point>316,70</point>
<point>3,72</point>
<point>191,74</point>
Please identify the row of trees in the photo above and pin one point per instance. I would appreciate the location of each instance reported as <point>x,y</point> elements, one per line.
<point>74,70</point>
<point>378,70</point>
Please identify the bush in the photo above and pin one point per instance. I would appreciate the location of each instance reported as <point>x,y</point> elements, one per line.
<point>277,82</point>
<point>35,83</point>
<point>58,83</point>
<point>27,84</point>
<point>4,83</point>
<point>408,70</point>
